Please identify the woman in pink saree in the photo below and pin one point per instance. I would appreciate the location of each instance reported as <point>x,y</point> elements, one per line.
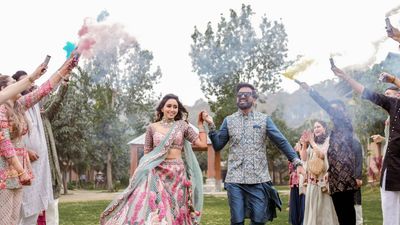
<point>165,189</point>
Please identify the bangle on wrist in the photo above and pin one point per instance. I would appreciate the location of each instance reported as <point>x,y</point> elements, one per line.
<point>59,74</point>
<point>22,173</point>
<point>31,79</point>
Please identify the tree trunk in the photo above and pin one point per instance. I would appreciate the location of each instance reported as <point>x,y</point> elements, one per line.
<point>64,179</point>
<point>109,172</point>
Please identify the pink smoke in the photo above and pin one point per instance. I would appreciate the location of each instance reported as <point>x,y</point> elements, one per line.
<point>102,37</point>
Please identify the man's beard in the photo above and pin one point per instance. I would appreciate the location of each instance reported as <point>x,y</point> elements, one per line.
<point>320,139</point>
<point>244,105</point>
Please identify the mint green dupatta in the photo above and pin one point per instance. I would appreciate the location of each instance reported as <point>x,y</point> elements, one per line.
<point>116,213</point>
<point>195,175</point>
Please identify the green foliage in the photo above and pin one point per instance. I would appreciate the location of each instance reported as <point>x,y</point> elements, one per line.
<point>107,103</point>
<point>71,126</point>
<point>234,53</point>
<point>122,96</point>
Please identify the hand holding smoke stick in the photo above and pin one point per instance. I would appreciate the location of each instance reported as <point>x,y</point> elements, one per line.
<point>392,31</point>
<point>387,78</point>
<point>45,63</point>
<point>332,63</point>
<point>389,27</point>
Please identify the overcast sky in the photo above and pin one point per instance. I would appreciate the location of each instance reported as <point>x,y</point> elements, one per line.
<point>32,29</point>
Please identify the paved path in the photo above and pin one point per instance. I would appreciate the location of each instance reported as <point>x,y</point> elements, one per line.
<point>86,195</point>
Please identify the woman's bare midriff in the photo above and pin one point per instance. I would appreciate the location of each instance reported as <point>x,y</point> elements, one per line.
<point>174,154</point>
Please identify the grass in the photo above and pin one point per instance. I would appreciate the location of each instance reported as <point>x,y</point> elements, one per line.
<point>216,210</point>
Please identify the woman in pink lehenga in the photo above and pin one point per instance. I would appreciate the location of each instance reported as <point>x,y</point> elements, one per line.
<point>164,188</point>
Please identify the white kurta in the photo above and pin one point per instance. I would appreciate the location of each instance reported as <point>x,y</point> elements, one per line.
<point>39,194</point>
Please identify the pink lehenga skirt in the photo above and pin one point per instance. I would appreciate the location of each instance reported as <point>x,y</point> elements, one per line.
<point>163,199</point>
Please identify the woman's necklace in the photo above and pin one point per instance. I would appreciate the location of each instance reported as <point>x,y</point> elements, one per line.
<point>167,123</point>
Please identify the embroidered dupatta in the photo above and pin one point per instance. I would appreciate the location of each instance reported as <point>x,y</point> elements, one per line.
<point>115,212</point>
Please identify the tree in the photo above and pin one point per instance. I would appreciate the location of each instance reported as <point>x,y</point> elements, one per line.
<point>234,53</point>
<point>72,124</point>
<point>122,94</point>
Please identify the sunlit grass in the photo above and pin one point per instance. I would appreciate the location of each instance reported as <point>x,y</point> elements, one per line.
<point>216,210</point>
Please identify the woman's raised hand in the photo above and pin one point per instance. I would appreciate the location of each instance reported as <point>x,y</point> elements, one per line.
<point>204,116</point>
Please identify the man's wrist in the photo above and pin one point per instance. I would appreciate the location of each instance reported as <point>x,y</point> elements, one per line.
<point>297,162</point>
<point>211,127</point>
<point>392,79</point>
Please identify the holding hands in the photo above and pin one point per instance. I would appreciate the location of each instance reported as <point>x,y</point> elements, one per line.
<point>205,117</point>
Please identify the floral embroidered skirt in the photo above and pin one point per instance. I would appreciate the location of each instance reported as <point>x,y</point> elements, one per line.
<point>163,199</point>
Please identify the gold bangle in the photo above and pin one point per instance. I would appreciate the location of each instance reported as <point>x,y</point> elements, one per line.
<point>31,79</point>
<point>20,174</point>
<point>59,74</point>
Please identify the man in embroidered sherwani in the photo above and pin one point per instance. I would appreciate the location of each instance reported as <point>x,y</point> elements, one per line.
<point>248,183</point>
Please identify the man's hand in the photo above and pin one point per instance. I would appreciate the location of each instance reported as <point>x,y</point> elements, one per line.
<point>33,156</point>
<point>300,170</point>
<point>386,77</point>
<point>305,86</point>
<point>359,182</point>
<point>394,34</point>
<point>339,73</point>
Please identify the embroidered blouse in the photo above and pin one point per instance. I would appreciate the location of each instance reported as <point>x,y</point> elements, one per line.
<point>185,131</point>
<point>12,146</point>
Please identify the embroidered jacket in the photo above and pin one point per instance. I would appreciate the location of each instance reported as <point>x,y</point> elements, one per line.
<point>247,135</point>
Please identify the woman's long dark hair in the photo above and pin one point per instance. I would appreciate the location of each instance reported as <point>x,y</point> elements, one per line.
<point>15,114</point>
<point>182,112</point>
<point>321,139</point>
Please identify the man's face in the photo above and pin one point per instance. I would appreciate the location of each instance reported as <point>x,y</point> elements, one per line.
<point>244,98</point>
<point>392,93</point>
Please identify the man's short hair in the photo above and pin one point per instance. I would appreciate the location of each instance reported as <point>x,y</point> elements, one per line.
<point>242,85</point>
<point>392,88</point>
<point>17,75</point>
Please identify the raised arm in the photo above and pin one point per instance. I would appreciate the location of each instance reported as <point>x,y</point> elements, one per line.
<point>18,87</point>
<point>201,141</point>
<point>321,101</point>
<point>357,87</point>
<point>34,97</point>
<point>389,78</point>
<point>55,104</point>
<point>218,138</point>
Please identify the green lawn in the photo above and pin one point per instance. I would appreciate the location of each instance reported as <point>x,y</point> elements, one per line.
<point>216,210</point>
